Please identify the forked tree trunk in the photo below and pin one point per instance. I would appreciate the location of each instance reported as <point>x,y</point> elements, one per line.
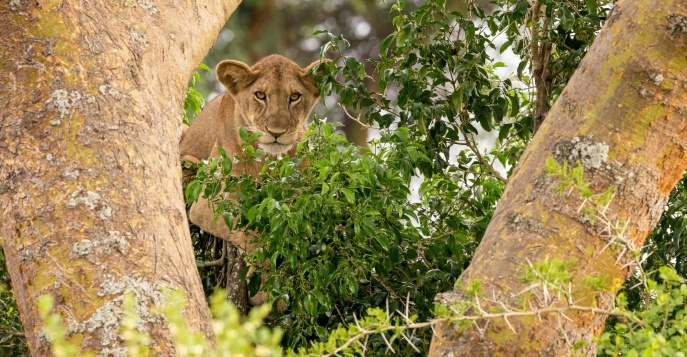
<point>623,115</point>
<point>90,192</point>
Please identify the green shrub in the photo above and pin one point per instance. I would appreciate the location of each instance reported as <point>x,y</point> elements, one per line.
<point>339,233</point>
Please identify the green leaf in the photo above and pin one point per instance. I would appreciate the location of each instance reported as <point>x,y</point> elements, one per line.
<point>372,212</point>
<point>227,166</point>
<point>384,46</point>
<point>485,122</point>
<point>434,274</point>
<point>228,219</point>
<point>503,131</point>
<point>254,284</point>
<point>457,99</point>
<point>401,38</point>
<point>382,240</point>
<point>521,8</point>
<point>505,46</point>
<point>469,127</point>
<point>324,172</point>
<point>552,166</point>
<point>361,73</point>
<point>334,157</point>
<point>250,215</point>
<point>469,33</point>
<point>310,304</point>
<point>521,67</point>
<point>221,151</point>
<point>352,284</point>
<point>321,332</point>
<point>193,191</point>
<point>592,6</point>
<point>397,6</point>
<point>350,195</point>
<point>254,136</point>
<point>243,133</point>
<point>497,112</point>
<point>514,104</point>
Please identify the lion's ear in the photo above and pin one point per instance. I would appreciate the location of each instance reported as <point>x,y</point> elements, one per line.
<point>313,70</point>
<point>235,75</point>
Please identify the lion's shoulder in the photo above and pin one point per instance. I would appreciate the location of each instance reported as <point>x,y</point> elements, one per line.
<point>203,134</point>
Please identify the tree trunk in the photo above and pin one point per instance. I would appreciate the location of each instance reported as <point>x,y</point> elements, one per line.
<point>236,288</point>
<point>90,190</point>
<point>623,116</point>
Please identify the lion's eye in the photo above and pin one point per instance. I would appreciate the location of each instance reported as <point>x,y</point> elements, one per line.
<point>294,97</point>
<point>260,95</point>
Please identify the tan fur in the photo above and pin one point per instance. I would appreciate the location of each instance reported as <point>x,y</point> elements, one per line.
<point>274,97</point>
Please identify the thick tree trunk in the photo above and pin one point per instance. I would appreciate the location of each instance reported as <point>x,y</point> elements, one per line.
<point>624,117</point>
<point>90,192</point>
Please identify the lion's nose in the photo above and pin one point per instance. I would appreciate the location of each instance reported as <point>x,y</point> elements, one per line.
<point>276,132</point>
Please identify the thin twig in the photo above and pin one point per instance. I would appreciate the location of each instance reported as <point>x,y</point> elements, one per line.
<point>357,120</point>
<point>480,158</point>
<point>13,334</point>
<point>565,334</point>
<point>388,289</point>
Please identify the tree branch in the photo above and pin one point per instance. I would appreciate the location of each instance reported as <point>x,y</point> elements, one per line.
<point>480,158</point>
<point>218,262</point>
<point>355,119</point>
<point>364,332</point>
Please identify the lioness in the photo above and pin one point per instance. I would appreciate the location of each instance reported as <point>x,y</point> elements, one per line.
<point>273,97</point>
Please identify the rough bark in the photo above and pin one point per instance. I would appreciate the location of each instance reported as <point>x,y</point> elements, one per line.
<point>237,289</point>
<point>623,115</point>
<point>90,192</point>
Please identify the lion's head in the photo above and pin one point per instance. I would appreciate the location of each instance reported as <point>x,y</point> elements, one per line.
<point>274,96</point>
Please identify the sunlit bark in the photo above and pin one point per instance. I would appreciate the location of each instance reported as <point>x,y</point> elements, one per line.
<point>623,115</point>
<point>91,96</point>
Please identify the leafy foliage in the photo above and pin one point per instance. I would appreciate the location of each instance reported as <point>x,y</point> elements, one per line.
<point>194,101</point>
<point>444,91</point>
<point>569,27</point>
<point>12,341</point>
<point>233,335</point>
<point>665,246</point>
<point>554,271</point>
<point>339,232</point>
<point>339,237</point>
<point>660,329</point>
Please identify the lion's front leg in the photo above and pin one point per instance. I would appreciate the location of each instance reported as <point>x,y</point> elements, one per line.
<point>201,215</point>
